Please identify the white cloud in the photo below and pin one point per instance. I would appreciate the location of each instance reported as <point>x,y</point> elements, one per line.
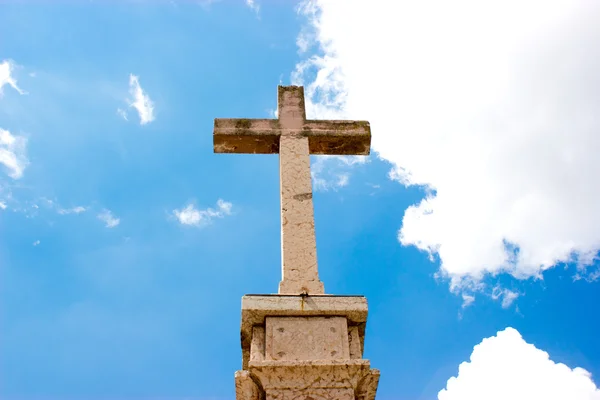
<point>273,113</point>
<point>2,205</point>
<point>6,77</point>
<point>224,207</point>
<point>12,153</point>
<point>207,3</point>
<point>467,300</point>
<point>122,113</point>
<point>332,172</point>
<point>189,215</point>
<point>253,6</point>
<point>506,296</point>
<point>37,242</point>
<point>500,124</point>
<point>506,367</point>
<point>140,101</point>
<point>74,210</point>
<point>107,217</point>
<point>304,41</point>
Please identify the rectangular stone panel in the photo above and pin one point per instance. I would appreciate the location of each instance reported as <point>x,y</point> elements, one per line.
<point>306,338</point>
<point>257,346</point>
<point>355,345</point>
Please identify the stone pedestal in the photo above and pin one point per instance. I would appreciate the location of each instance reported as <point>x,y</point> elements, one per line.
<point>297,347</point>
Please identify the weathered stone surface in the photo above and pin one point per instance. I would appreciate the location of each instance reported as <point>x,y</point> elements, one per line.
<point>317,380</point>
<point>246,388</point>
<point>367,387</point>
<point>320,379</point>
<point>311,394</point>
<point>301,347</point>
<point>261,136</point>
<point>298,243</point>
<point>246,136</point>
<point>256,308</point>
<point>306,338</point>
<point>354,342</point>
<point>257,345</point>
<point>299,254</point>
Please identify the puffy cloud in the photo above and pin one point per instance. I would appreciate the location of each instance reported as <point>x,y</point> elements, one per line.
<point>491,106</point>
<point>140,101</point>
<point>109,219</point>
<point>506,367</point>
<point>189,215</point>
<point>12,153</point>
<point>6,77</point>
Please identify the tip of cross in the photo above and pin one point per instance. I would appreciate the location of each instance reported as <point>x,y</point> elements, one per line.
<point>293,90</point>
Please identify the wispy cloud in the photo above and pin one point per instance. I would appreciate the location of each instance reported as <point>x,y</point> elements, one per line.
<point>74,210</point>
<point>506,296</point>
<point>333,172</point>
<point>122,113</point>
<point>190,215</point>
<point>140,101</point>
<point>207,3</point>
<point>253,6</point>
<point>2,205</point>
<point>37,242</point>
<point>107,217</point>
<point>6,77</point>
<point>467,300</point>
<point>12,153</point>
<point>273,113</point>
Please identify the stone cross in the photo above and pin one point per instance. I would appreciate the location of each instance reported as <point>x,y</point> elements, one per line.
<point>294,138</point>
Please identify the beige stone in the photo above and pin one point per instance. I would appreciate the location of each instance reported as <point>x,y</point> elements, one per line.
<point>261,136</point>
<point>319,380</point>
<point>355,342</point>
<point>256,308</point>
<point>306,346</point>
<point>246,387</point>
<point>257,344</point>
<point>306,338</point>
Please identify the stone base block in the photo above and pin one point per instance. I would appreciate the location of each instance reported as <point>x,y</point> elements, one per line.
<point>257,309</point>
<point>301,380</point>
<point>299,347</point>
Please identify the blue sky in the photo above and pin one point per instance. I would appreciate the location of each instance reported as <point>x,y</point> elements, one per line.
<point>126,244</point>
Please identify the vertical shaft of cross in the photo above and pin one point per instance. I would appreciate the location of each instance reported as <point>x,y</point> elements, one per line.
<point>298,243</point>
